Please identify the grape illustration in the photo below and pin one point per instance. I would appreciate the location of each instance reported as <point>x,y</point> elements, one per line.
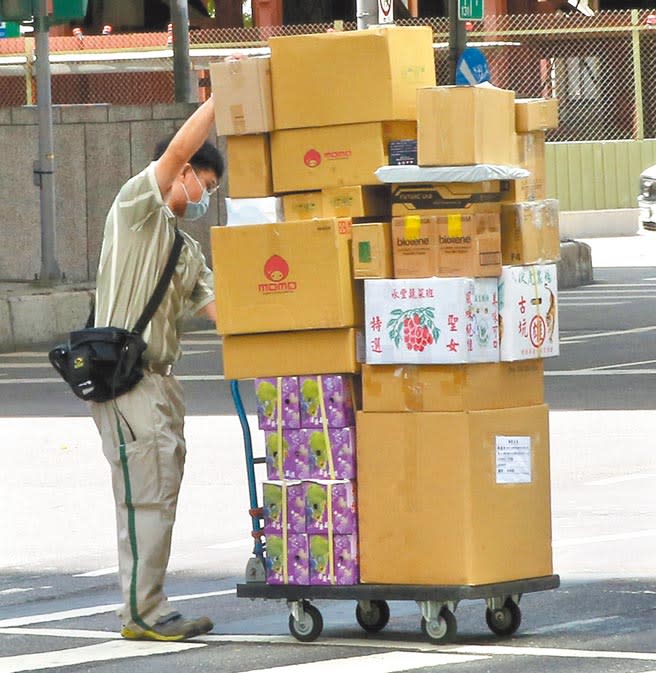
<point>415,327</point>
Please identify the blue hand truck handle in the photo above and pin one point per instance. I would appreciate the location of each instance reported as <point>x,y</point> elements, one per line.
<point>258,549</point>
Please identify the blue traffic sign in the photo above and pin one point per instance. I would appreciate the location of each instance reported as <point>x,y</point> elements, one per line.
<point>472,67</point>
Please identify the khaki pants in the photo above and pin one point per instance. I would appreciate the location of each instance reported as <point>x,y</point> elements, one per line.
<point>143,440</point>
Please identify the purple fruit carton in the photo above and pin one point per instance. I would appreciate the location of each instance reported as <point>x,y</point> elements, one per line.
<point>278,398</point>
<point>323,497</point>
<point>293,494</point>
<point>294,454</point>
<point>290,565</point>
<point>339,567</point>
<point>336,392</point>
<point>338,443</point>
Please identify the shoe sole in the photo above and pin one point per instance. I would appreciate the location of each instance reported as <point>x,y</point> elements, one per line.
<point>128,634</point>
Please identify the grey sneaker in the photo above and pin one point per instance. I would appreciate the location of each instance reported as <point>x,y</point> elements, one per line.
<point>171,627</point>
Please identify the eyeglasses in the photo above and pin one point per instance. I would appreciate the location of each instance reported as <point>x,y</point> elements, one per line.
<point>210,190</point>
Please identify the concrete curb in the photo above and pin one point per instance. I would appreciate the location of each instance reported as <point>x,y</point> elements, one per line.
<point>30,315</point>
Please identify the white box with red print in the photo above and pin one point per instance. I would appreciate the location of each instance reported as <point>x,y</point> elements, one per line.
<point>528,312</point>
<point>431,321</point>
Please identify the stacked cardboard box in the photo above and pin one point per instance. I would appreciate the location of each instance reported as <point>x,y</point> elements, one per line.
<point>452,433</point>
<point>288,306</point>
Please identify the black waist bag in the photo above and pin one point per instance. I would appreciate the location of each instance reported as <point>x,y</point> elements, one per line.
<point>102,363</point>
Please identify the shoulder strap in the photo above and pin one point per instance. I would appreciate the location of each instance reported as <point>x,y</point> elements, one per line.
<point>160,289</point>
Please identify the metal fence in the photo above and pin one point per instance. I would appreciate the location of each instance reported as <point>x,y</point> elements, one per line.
<point>601,68</point>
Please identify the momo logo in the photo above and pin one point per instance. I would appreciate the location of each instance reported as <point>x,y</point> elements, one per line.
<point>276,269</point>
<point>312,158</point>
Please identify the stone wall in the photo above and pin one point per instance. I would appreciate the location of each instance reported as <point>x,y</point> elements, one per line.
<point>97,148</point>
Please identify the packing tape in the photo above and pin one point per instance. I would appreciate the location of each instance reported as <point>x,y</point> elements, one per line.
<point>331,541</point>
<point>454,225</point>
<point>411,227</point>
<point>285,540</point>
<point>324,424</point>
<point>281,462</point>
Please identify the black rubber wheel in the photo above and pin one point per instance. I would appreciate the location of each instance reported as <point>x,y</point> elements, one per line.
<point>310,628</point>
<point>375,619</point>
<point>442,630</point>
<point>506,620</point>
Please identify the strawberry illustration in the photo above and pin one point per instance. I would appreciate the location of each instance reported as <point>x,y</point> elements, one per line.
<point>415,327</point>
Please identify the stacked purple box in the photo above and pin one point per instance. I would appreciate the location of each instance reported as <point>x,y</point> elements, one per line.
<point>341,506</point>
<point>274,514</point>
<point>294,559</point>
<point>267,392</point>
<point>295,454</point>
<point>336,443</point>
<point>340,567</point>
<point>336,393</point>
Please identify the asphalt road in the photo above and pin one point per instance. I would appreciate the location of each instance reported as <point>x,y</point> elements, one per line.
<point>57,586</point>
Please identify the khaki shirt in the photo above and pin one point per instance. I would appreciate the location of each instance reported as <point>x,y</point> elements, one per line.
<point>138,238</point>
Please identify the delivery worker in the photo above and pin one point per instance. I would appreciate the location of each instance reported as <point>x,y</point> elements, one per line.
<point>142,430</point>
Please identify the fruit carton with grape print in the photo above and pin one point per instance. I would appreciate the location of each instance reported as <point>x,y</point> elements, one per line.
<point>431,321</point>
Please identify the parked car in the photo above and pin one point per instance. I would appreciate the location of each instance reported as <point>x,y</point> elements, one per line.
<point>647,198</point>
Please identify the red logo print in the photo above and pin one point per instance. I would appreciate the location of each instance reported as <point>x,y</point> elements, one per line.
<point>312,158</point>
<point>276,268</point>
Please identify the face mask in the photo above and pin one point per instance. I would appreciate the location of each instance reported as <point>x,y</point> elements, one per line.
<point>196,209</point>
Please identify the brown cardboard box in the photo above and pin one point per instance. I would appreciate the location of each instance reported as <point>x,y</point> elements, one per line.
<point>285,276</point>
<point>536,114</point>
<point>372,250</point>
<point>466,387</point>
<point>530,148</point>
<point>356,201</point>
<point>249,166</point>
<point>302,206</point>
<point>455,498</point>
<point>530,232</point>
<point>454,197</point>
<point>448,245</point>
<point>332,156</point>
<point>320,351</point>
<point>462,125</point>
<point>350,77</point>
<point>244,104</point>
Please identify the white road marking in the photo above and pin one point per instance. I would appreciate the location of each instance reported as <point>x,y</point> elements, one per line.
<point>388,662</point>
<point>99,573</point>
<point>611,537</point>
<point>201,342</point>
<point>95,610</point>
<point>61,633</point>
<point>600,335</point>
<point>25,365</point>
<point>573,624</point>
<point>52,379</point>
<point>563,304</point>
<point>553,652</point>
<point>596,372</point>
<point>621,478</point>
<point>83,655</point>
<point>15,590</point>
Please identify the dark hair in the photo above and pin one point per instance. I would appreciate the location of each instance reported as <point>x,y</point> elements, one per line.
<point>207,156</point>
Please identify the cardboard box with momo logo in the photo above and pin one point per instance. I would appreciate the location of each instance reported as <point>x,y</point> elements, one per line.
<point>284,276</point>
<point>332,156</point>
<point>249,166</point>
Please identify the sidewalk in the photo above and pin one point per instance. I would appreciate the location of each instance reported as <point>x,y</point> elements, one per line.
<point>31,314</point>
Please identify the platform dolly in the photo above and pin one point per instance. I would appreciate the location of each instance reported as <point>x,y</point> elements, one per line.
<point>437,603</point>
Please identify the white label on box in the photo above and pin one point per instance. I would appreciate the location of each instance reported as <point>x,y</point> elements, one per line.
<point>513,460</point>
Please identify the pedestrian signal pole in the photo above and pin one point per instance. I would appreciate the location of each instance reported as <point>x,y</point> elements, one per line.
<point>184,92</point>
<point>457,38</point>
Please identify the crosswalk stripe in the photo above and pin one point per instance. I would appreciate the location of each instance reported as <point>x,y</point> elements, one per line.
<point>111,650</point>
<point>387,662</point>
